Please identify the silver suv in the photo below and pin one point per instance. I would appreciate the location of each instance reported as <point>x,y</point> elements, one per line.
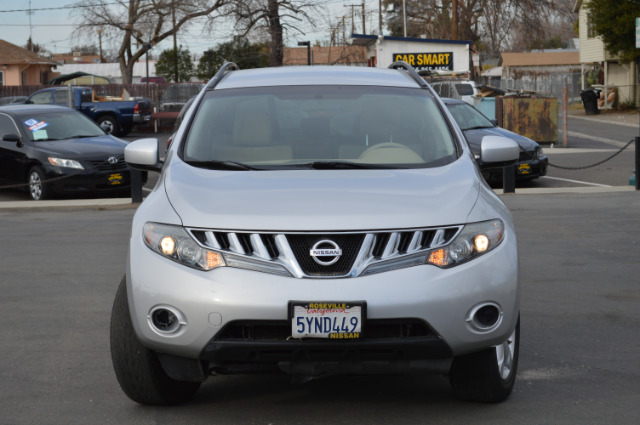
<point>318,221</point>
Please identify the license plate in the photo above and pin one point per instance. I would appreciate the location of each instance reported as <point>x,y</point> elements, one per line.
<point>115,179</point>
<point>524,169</point>
<point>331,320</point>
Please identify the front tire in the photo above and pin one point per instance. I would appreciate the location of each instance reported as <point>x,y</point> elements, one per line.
<point>489,375</point>
<point>38,189</point>
<point>137,368</point>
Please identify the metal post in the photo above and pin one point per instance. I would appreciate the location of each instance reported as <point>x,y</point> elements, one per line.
<point>136,187</point>
<point>509,179</point>
<point>565,123</point>
<point>308,44</point>
<point>637,170</point>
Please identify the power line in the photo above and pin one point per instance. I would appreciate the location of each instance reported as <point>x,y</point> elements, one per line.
<point>56,8</point>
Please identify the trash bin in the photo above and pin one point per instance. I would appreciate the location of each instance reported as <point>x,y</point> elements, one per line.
<point>590,101</point>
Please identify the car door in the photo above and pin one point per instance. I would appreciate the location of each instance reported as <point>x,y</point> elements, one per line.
<point>11,156</point>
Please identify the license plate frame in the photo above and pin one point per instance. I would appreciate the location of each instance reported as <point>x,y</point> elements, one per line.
<point>331,320</point>
<point>115,179</point>
<point>524,169</point>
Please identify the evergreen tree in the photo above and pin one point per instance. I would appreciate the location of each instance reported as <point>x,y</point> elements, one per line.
<point>166,65</point>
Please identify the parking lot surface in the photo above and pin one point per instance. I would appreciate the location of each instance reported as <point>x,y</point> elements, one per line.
<point>579,347</point>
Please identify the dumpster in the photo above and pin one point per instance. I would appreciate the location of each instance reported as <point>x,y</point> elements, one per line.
<point>532,117</point>
<point>590,101</point>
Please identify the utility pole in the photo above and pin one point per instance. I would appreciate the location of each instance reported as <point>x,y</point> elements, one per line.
<point>364,18</point>
<point>343,24</point>
<point>454,19</point>
<point>380,17</point>
<point>353,22</point>
<point>404,17</point>
<point>175,41</point>
<point>100,44</point>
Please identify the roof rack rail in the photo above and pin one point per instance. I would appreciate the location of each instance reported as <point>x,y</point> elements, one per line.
<point>411,71</point>
<point>226,67</point>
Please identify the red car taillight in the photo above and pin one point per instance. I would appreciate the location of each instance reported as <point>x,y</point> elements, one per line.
<point>136,109</point>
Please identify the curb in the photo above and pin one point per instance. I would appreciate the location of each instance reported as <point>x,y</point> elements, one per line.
<point>70,205</point>
<point>126,204</point>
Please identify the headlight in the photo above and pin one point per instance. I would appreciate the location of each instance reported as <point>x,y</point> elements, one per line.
<point>175,243</point>
<point>473,241</point>
<point>67,163</point>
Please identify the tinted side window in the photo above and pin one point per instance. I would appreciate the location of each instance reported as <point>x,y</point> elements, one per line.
<point>43,98</point>
<point>464,89</point>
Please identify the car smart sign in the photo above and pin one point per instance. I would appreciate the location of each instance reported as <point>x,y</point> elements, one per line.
<point>440,61</point>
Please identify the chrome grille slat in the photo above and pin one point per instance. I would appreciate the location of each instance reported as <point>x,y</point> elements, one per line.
<point>414,245</point>
<point>235,245</point>
<point>275,253</point>
<point>392,246</point>
<point>259,248</point>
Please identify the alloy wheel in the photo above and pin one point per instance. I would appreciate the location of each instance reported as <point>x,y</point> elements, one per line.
<point>505,353</point>
<point>35,185</point>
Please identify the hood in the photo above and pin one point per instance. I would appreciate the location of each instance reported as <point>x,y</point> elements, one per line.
<point>322,200</point>
<point>474,137</point>
<point>85,148</point>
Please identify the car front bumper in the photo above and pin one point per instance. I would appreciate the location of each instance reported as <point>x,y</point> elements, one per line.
<point>437,300</point>
<point>89,181</point>
<point>525,170</point>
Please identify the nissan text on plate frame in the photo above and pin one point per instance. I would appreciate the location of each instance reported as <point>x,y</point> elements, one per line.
<point>318,221</point>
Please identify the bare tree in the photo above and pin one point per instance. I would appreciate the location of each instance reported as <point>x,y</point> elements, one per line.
<point>495,25</point>
<point>274,16</point>
<point>141,23</point>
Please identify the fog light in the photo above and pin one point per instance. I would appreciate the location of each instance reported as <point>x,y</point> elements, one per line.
<point>166,320</point>
<point>485,317</point>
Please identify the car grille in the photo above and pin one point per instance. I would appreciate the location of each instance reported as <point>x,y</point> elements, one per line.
<point>104,165</point>
<point>289,254</point>
<point>264,331</point>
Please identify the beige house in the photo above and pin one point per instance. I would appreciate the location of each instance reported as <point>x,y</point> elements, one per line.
<point>593,54</point>
<point>21,67</point>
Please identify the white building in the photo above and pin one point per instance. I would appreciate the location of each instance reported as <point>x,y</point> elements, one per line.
<point>109,70</point>
<point>593,52</point>
<point>421,53</point>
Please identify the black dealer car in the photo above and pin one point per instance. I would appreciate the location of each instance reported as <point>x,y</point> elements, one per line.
<point>532,162</point>
<point>54,150</point>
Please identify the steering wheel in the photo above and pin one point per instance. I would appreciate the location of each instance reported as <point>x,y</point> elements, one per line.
<point>396,153</point>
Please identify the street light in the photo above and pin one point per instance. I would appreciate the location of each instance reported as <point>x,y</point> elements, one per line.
<point>308,44</point>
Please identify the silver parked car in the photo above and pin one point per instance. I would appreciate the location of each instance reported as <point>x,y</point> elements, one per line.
<point>318,221</point>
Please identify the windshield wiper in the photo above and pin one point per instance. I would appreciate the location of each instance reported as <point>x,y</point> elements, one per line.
<point>477,127</point>
<point>342,165</point>
<point>221,165</point>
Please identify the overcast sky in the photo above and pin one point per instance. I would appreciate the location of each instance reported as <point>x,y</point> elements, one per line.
<point>52,28</point>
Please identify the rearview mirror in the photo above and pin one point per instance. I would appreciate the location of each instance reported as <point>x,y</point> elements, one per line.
<point>498,150</point>
<point>143,155</point>
<point>13,138</point>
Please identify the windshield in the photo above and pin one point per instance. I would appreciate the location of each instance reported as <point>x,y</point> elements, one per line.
<point>58,125</point>
<point>468,117</point>
<point>319,127</point>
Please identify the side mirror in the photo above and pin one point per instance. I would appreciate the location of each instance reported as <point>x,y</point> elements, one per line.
<point>13,138</point>
<point>143,155</point>
<point>499,151</point>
